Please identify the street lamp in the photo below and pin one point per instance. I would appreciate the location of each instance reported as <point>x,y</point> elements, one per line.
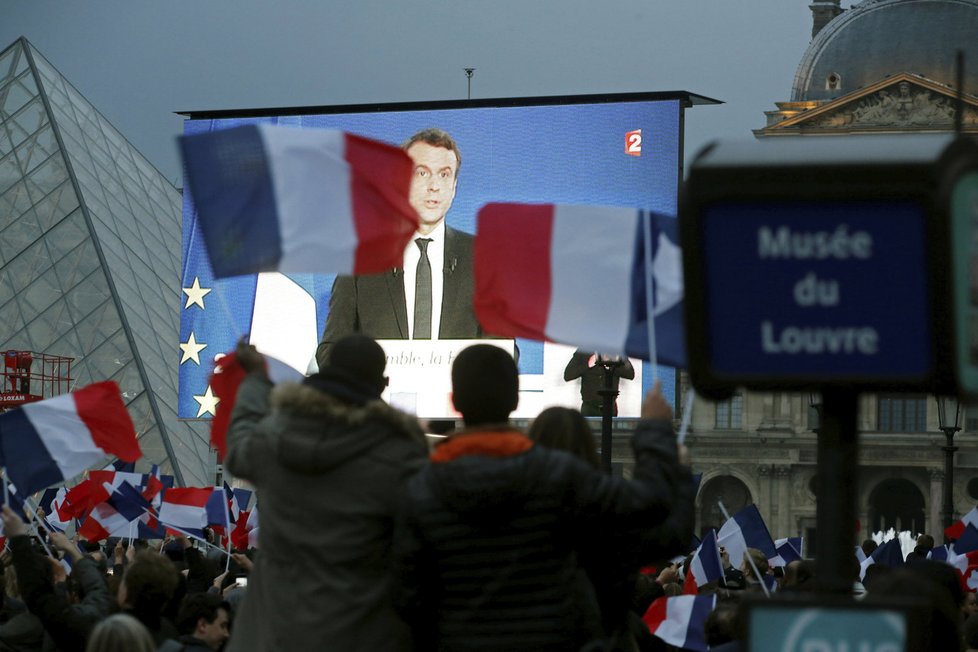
<point>948,408</point>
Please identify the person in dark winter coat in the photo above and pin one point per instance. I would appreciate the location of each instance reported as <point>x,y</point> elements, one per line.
<point>68,625</point>
<point>486,551</point>
<point>329,459</point>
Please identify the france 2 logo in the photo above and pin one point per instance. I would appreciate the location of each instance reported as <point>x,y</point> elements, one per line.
<point>633,142</point>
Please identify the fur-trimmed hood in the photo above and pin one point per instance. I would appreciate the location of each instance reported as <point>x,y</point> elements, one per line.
<point>319,431</point>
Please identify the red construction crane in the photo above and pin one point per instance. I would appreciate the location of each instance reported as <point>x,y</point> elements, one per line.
<point>29,376</point>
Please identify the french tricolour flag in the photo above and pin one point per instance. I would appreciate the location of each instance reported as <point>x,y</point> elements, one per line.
<point>705,566</point>
<point>956,529</point>
<point>185,510</point>
<point>117,516</point>
<point>679,620</point>
<point>967,542</point>
<point>299,200</point>
<point>576,275</point>
<point>50,441</point>
<point>789,549</point>
<point>889,554</point>
<point>746,529</point>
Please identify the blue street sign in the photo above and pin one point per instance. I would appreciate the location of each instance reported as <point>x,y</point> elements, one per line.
<point>810,290</point>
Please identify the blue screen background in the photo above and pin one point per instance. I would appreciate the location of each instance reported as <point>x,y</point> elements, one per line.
<point>562,154</point>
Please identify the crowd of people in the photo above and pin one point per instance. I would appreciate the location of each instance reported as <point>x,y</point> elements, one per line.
<point>492,539</point>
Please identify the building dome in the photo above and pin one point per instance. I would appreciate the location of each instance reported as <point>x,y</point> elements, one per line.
<point>875,39</point>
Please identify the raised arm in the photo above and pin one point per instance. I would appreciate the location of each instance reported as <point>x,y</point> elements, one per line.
<point>247,443</point>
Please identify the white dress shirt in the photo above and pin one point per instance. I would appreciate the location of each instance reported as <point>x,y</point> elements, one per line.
<point>436,256</point>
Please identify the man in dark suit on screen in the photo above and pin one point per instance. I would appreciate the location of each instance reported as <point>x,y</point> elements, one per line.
<point>431,296</point>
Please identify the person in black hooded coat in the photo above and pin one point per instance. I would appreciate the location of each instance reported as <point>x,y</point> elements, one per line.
<point>488,541</point>
<point>328,459</point>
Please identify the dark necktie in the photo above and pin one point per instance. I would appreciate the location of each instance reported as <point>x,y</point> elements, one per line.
<point>422,293</point>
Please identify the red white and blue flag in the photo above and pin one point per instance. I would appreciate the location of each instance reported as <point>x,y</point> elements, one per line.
<point>890,554</point>
<point>55,515</point>
<point>185,510</point>
<point>119,515</point>
<point>746,529</point>
<point>274,198</point>
<point>967,542</point>
<point>956,529</point>
<point>705,566</point>
<point>680,620</point>
<point>789,549</point>
<point>48,442</point>
<point>577,275</point>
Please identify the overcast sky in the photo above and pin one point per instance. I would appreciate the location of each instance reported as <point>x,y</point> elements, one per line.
<point>139,62</point>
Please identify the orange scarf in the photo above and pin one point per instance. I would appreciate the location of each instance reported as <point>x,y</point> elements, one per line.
<point>488,443</point>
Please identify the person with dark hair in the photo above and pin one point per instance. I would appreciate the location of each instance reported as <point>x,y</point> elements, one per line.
<point>869,547</point>
<point>799,575</point>
<point>146,590</point>
<point>329,459</point>
<point>430,296</point>
<point>925,543</point>
<point>721,625</point>
<point>203,622</point>
<point>565,429</point>
<point>486,549</point>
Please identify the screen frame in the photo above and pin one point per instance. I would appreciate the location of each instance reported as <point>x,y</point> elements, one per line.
<point>682,100</point>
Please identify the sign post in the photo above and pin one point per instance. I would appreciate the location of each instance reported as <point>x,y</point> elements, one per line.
<point>825,265</point>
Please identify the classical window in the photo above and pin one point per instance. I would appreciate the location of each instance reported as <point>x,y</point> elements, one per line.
<point>730,413</point>
<point>833,82</point>
<point>901,413</point>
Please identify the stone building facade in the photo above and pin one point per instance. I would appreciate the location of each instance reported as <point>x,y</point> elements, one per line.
<point>876,67</point>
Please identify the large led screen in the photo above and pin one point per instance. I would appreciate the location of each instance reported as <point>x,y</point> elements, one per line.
<point>621,151</point>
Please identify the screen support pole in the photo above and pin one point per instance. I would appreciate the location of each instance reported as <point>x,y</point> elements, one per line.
<point>608,394</point>
<point>835,511</point>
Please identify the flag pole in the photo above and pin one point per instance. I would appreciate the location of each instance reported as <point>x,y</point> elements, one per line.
<point>195,537</point>
<point>184,533</point>
<point>687,416</point>
<point>32,517</point>
<point>650,319</point>
<point>227,529</point>
<point>749,557</point>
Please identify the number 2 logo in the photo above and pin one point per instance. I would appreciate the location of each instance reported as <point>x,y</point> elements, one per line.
<point>633,142</point>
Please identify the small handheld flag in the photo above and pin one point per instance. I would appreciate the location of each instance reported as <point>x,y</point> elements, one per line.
<point>51,441</point>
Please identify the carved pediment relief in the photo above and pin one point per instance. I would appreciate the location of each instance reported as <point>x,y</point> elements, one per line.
<point>905,106</point>
<point>904,102</point>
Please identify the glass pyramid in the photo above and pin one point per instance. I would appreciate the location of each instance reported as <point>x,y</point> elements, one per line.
<point>90,256</point>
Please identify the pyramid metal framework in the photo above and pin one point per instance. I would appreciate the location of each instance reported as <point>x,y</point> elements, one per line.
<point>90,256</point>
